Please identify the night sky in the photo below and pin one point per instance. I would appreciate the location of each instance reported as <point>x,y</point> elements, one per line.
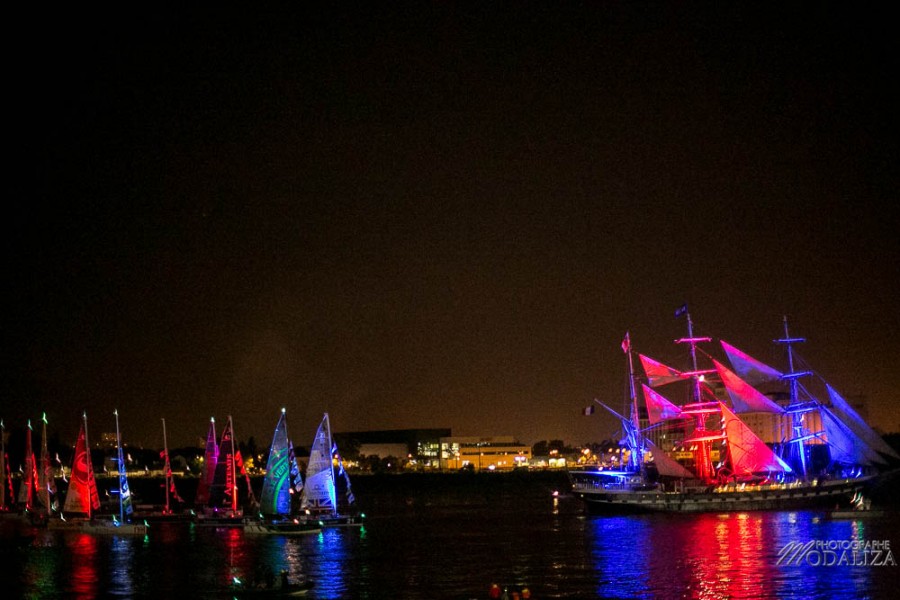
<point>417,215</point>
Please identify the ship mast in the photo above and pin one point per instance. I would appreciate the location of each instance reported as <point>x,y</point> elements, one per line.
<point>637,454</point>
<point>702,456</point>
<point>795,408</point>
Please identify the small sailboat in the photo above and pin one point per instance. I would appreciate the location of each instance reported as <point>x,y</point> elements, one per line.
<point>28,490</point>
<point>125,524</point>
<point>210,459</point>
<point>166,513</point>
<point>320,497</point>
<point>222,507</point>
<point>6,494</point>
<point>283,481</point>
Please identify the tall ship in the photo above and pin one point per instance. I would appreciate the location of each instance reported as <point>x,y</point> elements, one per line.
<point>707,453</point>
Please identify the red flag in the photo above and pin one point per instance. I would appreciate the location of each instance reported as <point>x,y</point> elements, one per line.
<point>239,462</point>
<point>626,343</point>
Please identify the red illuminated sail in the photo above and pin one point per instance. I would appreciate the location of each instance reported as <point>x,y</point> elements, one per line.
<point>658,408</point>
<point>659,374</point>
<point>744,397</point>
<point>82,496</point>
<point>223,491</point>
<point>748,453</point>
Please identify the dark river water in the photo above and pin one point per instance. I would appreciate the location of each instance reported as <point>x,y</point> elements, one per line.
<point>454,536</point>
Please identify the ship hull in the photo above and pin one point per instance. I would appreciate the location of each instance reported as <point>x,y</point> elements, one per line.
<point>823,495</point>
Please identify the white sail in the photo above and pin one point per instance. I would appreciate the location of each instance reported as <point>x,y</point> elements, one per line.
<point>319,494</point>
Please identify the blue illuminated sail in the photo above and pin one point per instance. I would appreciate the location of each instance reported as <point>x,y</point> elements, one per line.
<point>276,491</point>
<point>856,424</point>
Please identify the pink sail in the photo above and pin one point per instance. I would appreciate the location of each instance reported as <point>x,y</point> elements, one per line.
<point>748,368</point>
<point>659,374</point>
<point>748,453</point>
<point>744,397</point>
<point>658,408</point>
<point>209,465</point>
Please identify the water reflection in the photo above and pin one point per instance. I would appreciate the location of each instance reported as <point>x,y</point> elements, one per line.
<point>731,555</point>
<point>333,558</point>
<point>84,553</point>
<point>121,562</point>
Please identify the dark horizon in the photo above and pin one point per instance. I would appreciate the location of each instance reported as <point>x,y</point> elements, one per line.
<point>439,216</point>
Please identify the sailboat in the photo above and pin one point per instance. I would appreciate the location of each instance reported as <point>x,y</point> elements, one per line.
<point>320,497</point>
<point>28,489</point>
<point>46,482</point>
<point>125,524</point>
<point>282,482</point>
<point>222,508</point>
<point>210,459</point>
<point>727,466</point>
<point>166,513</point>
<point>6,494</point>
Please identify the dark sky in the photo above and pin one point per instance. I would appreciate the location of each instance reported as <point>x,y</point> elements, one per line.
<point>438,215</point>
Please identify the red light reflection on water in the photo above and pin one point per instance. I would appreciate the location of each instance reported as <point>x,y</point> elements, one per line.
<point>727,557</point>
<point>84,551</point>
<point>232,539</point>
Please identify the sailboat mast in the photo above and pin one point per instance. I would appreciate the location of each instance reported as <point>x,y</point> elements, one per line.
<point>119,456</point>
<point>28,479</point>
<point>233,467</point>
<point>333,486</point>
<point>89,466</point>
<point>3,477</point>
<point>45,465</point>
<point>168,471</point>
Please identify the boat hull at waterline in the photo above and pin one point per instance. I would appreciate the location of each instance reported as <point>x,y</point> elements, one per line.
<point>825,495</point>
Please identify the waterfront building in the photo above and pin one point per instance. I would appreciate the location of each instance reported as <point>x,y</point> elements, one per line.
<point>502,453</point>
